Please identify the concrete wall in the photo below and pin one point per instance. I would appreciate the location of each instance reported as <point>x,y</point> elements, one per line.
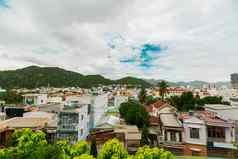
<point>202,134</point>
<point>83,123</point>
<point>99,105</point>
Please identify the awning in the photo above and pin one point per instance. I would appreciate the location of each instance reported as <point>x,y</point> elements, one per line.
<point>224,145</point>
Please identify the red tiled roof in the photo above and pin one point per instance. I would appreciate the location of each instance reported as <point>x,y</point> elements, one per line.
<point>183,116</point>
<point>153,120</point>
<point>158,104</point>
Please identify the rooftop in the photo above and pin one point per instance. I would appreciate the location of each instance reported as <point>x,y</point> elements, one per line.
<point>170,120</point>
<point>25,122</point>
<point>220,107</point>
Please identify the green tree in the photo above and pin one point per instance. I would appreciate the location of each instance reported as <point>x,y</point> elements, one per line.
<point>176,102</point>
<point>163,86</point>
<point>65,148</point>
<point>11,97</point>
<point>142,95</point>
<point>187,101</point>
<point>6,153</point>
<point>134,113</point>
<point>153,153</point>
<point>79,148</point>
<point>150,100</point>
<point>113,149</point>
<point>84,156</point>
<point>93,148</point>
<point>144,136</point>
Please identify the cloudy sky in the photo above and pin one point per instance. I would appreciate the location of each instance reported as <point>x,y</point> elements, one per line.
<point>163,39</point>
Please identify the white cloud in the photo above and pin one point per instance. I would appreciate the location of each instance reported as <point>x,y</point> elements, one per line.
<point>201,36</point>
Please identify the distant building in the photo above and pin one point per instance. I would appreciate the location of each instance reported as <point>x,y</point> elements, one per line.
<point>35,99</point>
<point>234,80</point>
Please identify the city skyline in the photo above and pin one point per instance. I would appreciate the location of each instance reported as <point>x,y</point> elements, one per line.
<point>164,39</point>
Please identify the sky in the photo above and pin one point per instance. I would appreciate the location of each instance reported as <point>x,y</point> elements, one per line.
<point>176,40</point>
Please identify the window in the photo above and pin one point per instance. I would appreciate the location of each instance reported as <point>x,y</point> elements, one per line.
<point>81,132</point>
<point>194,133</point>
<point>173,136</point>
<point>81,117</point>
<point>216,132</point>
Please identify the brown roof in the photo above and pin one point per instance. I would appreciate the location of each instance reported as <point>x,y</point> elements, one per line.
<point>24,122</point>
<point>158,104</point>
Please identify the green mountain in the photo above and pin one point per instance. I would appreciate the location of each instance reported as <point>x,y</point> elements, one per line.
<point>33,76</point>
<point>133,81</point>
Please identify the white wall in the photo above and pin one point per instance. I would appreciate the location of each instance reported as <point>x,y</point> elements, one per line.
<point>202,132</point>
<point>83,123</point>
<point>55,100</point>
<point>230,135</point>
<point>42,99</point>
<point>99,105</point>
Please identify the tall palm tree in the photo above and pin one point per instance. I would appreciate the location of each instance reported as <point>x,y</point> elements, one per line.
<point>142,95</point>
<point>163,85</point>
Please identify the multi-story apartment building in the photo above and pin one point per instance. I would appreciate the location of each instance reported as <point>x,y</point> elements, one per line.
<point>73,120</point>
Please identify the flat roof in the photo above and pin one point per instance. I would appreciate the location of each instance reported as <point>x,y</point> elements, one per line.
<point>220,106</point>
<point>25,122</point>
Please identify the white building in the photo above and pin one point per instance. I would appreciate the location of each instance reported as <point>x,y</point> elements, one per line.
<point>74,120</point>
<point>99,104</point>
<point>55,99</point>
<point>195,131</point>
<point>35,99</point>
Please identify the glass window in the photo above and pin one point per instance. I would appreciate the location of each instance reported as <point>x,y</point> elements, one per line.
<point>194,133</point>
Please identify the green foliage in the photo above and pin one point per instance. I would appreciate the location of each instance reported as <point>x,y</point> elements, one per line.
<point>163,85</point>
<point>65,148</point>
<point>133,82</point>
<point>79,148</point>
<point>142,96</point>
<point>188,102</point>
<point>33,77</point>
<point>113,149</point>
<point>33,145</point>
<point>6,153</point>
<point>153,153</point>
<point>150,100</point>
<point>213,100</point>
<point>11,97</point>
<point>134,113</point>
<point>29,144</point>
<point>93,148</point>
<point>84,156</point>
<point>145,136</point>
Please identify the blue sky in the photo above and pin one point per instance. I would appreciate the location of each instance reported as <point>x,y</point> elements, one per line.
<point>164,39</point>
<point>3,3</point>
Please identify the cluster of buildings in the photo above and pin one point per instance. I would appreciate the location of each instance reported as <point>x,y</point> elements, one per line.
<point>86,114</point>
<point>211,131</point>
<point>63,114</point>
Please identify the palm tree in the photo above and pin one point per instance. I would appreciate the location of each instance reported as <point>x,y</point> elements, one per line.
<point>142,95</point>
<point>163,85</point>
